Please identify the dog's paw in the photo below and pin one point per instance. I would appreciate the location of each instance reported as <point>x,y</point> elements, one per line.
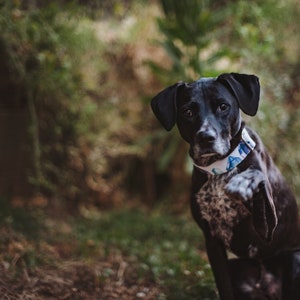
<point>244,185</point>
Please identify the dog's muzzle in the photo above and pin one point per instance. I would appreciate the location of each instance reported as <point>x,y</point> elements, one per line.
<point>245,146</point>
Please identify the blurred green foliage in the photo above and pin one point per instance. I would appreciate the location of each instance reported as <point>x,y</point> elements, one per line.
<point>44,50</point>
<point>191,30</point>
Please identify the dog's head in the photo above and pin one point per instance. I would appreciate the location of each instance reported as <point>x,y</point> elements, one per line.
<point>207,112</point>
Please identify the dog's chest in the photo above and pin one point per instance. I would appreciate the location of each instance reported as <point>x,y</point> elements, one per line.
<point>221,212</point>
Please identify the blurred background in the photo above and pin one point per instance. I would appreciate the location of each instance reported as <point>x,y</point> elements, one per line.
<point>81,148</point>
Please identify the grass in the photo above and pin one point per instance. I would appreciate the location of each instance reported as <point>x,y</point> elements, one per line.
<point>166,250</point>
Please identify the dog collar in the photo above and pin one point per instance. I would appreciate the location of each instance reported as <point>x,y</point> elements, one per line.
<point>245,146</point>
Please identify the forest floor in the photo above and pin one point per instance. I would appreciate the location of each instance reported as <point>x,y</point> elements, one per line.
<point>78,280</point>
<point>129,254</point>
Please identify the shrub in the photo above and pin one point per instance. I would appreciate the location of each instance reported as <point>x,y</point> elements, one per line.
<point>44,51</point>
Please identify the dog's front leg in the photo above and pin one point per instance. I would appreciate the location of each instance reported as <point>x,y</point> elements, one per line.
<point>252,187</point>
<point>214,248</point>
<point>219,263</point>
<point>245,185</point>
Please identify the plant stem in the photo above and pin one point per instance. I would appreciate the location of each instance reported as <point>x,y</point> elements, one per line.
<point>34,133</point>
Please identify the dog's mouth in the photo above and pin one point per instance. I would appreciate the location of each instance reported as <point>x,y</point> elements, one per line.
<point>207,155</point>
<point>205,159</point>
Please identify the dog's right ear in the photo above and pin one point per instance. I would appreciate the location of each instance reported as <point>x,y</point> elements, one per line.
<point>164,106</point>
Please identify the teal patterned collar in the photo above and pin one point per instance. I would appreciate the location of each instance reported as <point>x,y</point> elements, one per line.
<point>245,146</point>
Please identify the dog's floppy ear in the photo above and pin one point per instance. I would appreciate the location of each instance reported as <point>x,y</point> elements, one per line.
<point>245,88</point>
<point>164,106</point>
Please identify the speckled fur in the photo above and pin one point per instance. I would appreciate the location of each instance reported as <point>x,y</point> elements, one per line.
<point>221,212</point>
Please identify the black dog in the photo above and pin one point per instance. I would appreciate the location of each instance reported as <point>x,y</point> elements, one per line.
<point>239,198</point>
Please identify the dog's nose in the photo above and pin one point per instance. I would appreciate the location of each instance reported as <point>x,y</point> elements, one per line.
<point>206,136</point>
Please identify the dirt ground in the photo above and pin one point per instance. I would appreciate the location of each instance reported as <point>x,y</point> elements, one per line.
<point>112,279</point>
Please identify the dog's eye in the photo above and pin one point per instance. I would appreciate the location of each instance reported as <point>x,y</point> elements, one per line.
<point>222,107</point>
<point>188,113</point>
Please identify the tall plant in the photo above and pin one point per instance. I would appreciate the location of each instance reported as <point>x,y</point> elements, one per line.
<point>190,38</point>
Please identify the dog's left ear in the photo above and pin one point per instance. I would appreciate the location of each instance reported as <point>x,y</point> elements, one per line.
<point>245,88</point>
<point>164,106</point>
